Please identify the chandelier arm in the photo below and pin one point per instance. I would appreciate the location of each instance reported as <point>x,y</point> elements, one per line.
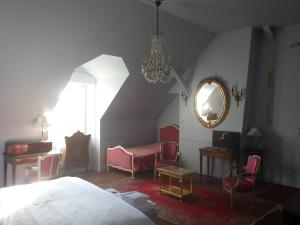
<point>157,3</point>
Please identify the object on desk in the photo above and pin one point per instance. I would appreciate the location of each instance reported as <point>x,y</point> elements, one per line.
<point>226,139</point>
<point>42,122</point>
<point>244,182</point>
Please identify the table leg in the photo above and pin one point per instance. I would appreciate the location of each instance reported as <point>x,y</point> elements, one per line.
<point>5,173</point>
<point>13,174</point>
<point>212,166</point>
<point>201,158</point>
<point>181,189</point>
<point>191,184</point>
<point>159,181</point>
<point>261,169</point>
<point>207,165</point>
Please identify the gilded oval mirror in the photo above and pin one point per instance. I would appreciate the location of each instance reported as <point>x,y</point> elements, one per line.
<point>211,102</point>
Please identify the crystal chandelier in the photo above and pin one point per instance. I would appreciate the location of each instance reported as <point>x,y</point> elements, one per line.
<point>157,67</point>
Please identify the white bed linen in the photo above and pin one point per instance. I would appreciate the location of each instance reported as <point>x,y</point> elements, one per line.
<point>65,201</point>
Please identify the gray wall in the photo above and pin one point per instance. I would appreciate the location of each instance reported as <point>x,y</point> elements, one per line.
<point>281,140</point>
<point>42,42</point>
<point>170,115</point>
<point>226,57</point>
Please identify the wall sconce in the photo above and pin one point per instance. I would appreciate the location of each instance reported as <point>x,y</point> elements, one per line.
<point>238,95</point>
<point>295,44</point>
<point>185,96</point>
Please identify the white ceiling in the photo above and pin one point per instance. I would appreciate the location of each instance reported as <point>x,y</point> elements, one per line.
<point>224,15</point>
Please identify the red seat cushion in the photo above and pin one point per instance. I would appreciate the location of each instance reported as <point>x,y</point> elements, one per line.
<point>244,183</point>
<point>162,163</point>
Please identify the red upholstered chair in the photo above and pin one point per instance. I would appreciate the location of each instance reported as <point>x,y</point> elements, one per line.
<point>168,155</point>
<point>47,169</point>
<point>243,182</point>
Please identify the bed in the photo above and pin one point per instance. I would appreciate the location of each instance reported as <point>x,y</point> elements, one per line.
<point>139,158</point>
<point>65,201</point>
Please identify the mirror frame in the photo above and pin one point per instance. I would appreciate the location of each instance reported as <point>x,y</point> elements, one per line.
<point>224,94</point>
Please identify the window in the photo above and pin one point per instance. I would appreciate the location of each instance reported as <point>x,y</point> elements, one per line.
<point>74,111</point>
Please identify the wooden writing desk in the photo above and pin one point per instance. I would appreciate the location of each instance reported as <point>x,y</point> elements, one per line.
<point>210,152</point>
<point>17,153</point>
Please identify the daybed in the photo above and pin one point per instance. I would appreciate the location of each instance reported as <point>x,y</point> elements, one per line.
<point>139,158</point>
<point>65,201</point>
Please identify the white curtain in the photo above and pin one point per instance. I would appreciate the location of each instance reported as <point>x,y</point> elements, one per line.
<point>75,110</point>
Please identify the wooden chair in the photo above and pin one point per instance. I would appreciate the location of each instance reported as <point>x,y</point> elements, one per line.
<point>47,169</point>
<point>244,181</point>
<point>77,151</point>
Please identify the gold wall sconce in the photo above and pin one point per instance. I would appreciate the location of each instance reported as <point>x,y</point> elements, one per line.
<point>295,44</point>
<point>185,96</point>
<point>237,94</point>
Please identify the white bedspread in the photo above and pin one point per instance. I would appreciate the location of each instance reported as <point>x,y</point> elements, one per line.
<point>65,201</point>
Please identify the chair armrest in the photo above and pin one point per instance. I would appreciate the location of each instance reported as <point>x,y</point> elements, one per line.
<point>178,157</point>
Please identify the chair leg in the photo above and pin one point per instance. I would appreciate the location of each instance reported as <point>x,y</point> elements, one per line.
<point>231,200</point>
<point>154,174</point>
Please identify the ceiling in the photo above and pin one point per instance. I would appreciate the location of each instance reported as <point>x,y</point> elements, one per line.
<point>225,15</point>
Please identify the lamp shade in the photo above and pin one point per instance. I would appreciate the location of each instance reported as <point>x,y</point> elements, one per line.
<point>41,121</point>
<point>253,132</point>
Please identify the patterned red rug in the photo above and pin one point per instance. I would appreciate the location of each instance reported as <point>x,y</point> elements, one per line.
<point>204,207</point>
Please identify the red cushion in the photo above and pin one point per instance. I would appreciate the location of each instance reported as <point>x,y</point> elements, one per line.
<point>162,163</point>
<point>244,183</point>
<point>251,165</point>
<point>169,151</point>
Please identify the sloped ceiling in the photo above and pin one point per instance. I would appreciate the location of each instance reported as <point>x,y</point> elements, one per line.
<point>42,42</point>
<point>140,99</point>
<point>219,16</point>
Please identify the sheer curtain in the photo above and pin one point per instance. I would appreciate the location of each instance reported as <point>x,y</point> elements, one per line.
<point>75,110</point>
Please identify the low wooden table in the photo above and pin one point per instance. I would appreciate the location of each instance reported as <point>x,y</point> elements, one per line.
<point>180,174</point>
